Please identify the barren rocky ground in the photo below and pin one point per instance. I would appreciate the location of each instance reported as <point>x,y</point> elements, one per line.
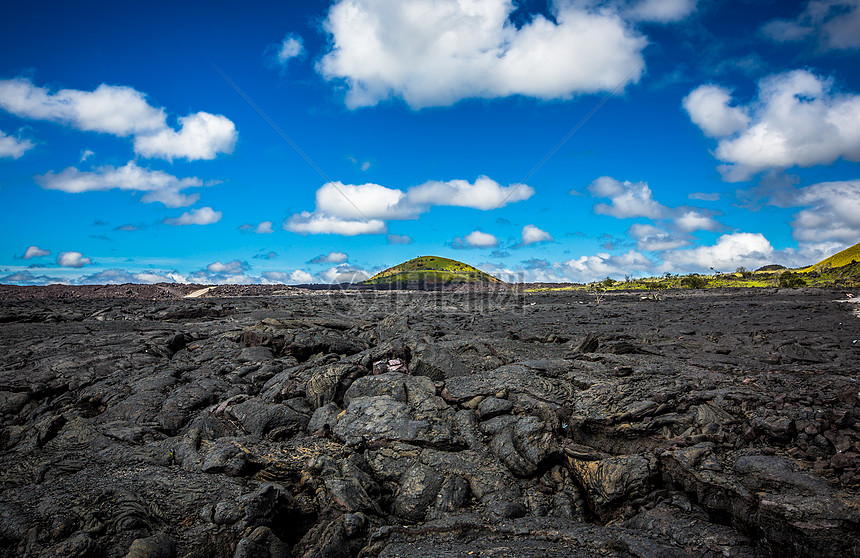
<point>708,423</point>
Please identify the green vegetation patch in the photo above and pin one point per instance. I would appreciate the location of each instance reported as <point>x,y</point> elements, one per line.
<point>431,270</point>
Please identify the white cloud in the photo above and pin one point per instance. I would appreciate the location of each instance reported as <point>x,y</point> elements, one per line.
<point>290,47</point>
<point>331,257</point>
<point>661,11</point>
<point>202,216</point>
<point>708,107</point>
<point>485,193</point>
<point>809,253</point>
<point>121,111</point>
<point>628,199</point>
<point>835,23</point>
<point>797,120</point>
<point>349,209</point>
<point>122,276</point>
<point>275,277</point>
<point>72,259</point>
<point>201,136</point>
<point>751,250</point>
<point>343,273</point>
<point>316,223</point>
<point>598,266</point>
<point>831,213</point>
<point>301,277</point>
<point>437,52</point>
<point>364,201</point>
<point>475,239</point>
<point>232,267</point>
<point>691,220</point>
<point>292,278</point>
<point>653,239</point>
<point>531,235</point>
<point>230,273</point>
<point>13,147</point>
<point>399,239</point>
<point>86,154</point>
<point>35,252</point>
<point>265,227</point>
<point>110,109</point>
<point>158,185</point>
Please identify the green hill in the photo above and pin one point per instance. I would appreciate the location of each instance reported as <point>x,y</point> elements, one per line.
<point>430,270</point>
<point>839,259</point>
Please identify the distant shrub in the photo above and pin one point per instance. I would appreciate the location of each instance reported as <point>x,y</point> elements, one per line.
<point>608,282</point>
<point>790,280</point>
<point>745,273</point>
<point>693,281</point>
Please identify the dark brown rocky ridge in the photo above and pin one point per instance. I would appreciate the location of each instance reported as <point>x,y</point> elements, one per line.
<point>353,423</point>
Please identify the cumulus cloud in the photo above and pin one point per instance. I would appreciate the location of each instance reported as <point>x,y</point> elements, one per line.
<point>13,147</point>
<point>475,239</point>
<point>224,273</point>
<point>532,235</point>
<point>275,277</point>
<point>110,109</point>
<point>158,186</point>
<point>72,259</point>
<point>485,193</point>
<point>661,11</point>
<point>582,270</point>
<point>750,250</point>
<point>598,266</point>
<point>691,220</point>
<point>331,257</point>
<point>797,120</point>
<point>399,239</point>
<point>627,199</point>
<point>349,209</point>
<point>316,223</point>
<point>122,276</point>
<point>121,111</point>
<point>344,273</point>
<point>301,277</point>
<point>200,136</point>
<point>363,201</point>
<point>834,24</point>
<point>831,212</point>
<point>202,216</point>
<point>437,52</point>
<point>654,239</point>
<point>34,252</point>
<point>232,267</point>
<point>708,107</point>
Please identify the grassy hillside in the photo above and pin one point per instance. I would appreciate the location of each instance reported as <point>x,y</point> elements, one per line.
<point>839,259</point>
<point>431,270</point>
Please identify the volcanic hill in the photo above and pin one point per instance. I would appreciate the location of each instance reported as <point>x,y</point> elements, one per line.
<point>430,271</point>
<point>839,259</point>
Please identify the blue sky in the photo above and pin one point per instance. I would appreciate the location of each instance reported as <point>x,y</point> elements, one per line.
<point>727,134</point>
